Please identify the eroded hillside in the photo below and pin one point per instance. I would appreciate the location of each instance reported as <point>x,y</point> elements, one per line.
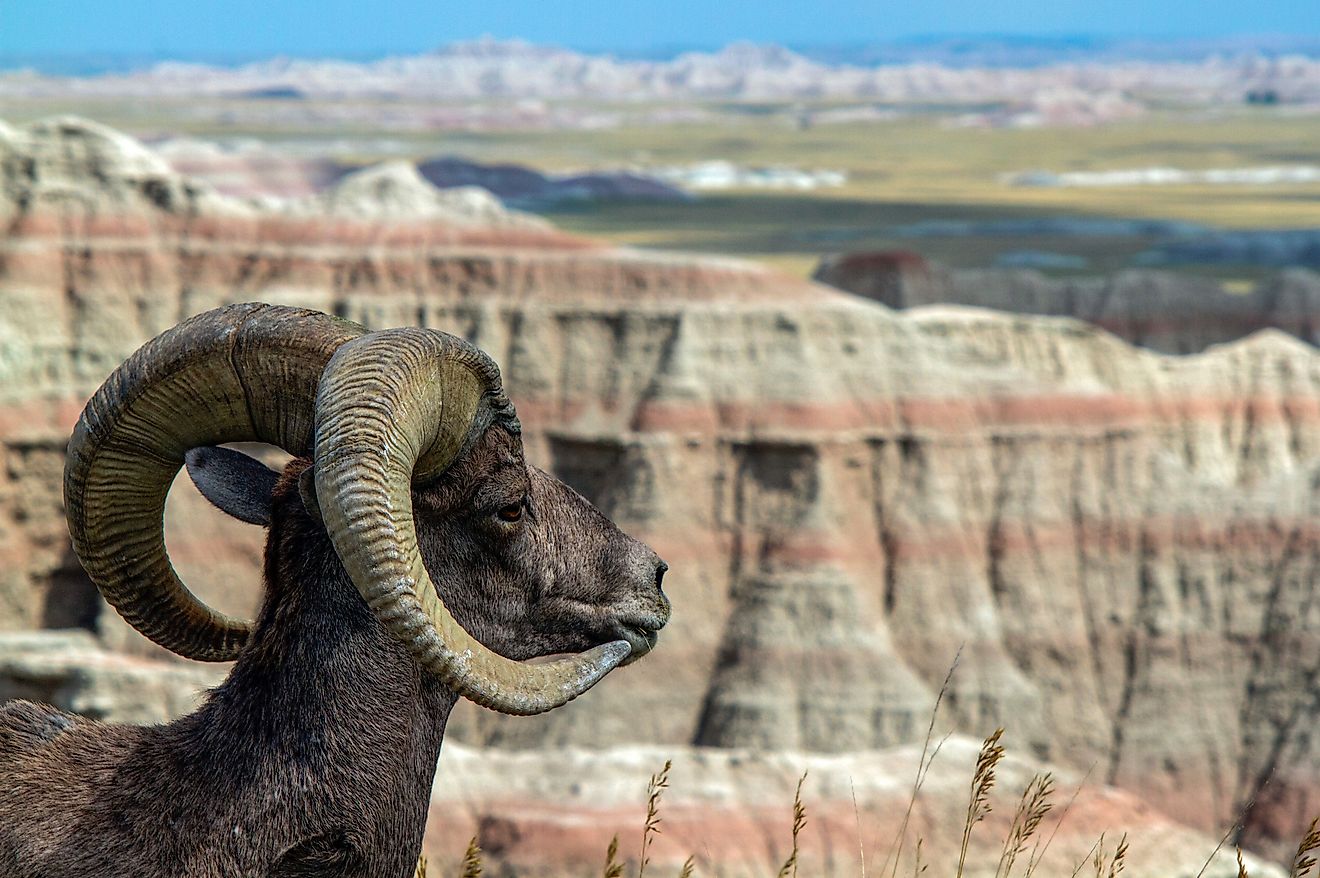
<point>1123,544</point>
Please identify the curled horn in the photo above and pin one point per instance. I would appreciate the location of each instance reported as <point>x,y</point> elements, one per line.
<point>237,374</point>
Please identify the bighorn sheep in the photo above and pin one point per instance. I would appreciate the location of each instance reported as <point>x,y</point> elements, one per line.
<point>413,557</point>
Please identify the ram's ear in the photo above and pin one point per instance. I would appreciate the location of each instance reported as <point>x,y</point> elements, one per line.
<point>307,490</point>
<point>236,484</point>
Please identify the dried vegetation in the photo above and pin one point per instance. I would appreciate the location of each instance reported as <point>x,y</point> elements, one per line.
<point>1024,833</point>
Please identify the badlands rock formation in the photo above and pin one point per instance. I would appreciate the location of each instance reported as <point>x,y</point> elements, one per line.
<point>1167,312</point>
<point>1123,544</point>
<point>249,167</point>
<point>71,669</point>
<point>395,192</point>
<point>489,69</point>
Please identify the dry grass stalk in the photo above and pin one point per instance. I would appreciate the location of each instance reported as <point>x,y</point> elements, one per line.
<point>420,871</point>
<point>1229,833</point>
<point>657,785</point>
<point>1116,861</point>
<point>1039,850</point>
<point>1095,848</point>
<point>799,822</point>
<point>1031,810</point>
<point>923,767</point>
<point>1119,859</point>
<point>472,860</point>
<point>613,868</point>
<point>983,781</point>
<point>857,815</point>
<point>1310,843</point>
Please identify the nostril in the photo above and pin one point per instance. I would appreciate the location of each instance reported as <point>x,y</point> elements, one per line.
<point>660,574</point>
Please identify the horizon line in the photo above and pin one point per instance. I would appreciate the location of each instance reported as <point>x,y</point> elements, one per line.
<point>870,53</point>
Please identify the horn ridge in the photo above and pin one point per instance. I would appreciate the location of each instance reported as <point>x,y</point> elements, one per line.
<point>245,372</point>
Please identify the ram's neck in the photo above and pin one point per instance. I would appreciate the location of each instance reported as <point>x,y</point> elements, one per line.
<point>323,681</point>
<point>327,713</point>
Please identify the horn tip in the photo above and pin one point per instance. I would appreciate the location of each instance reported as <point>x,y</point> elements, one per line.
<point>605,658</point>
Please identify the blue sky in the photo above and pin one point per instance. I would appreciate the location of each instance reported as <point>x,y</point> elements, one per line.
<point>335,27</point>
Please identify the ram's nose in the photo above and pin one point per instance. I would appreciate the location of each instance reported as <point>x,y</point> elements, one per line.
<point>656,597</point>
<point>650,610</point>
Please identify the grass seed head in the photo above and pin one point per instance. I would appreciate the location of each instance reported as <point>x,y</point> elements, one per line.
<point>983,781</point>
<point>1120,857</point>
<point>472,860</point>
<point>657,785</point>
<point>799,823</point>
<point>1031,810</point>
<point>1304,861</point>
<point>613,868</point>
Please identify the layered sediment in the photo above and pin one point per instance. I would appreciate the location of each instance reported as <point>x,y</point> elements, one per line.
<point>1122,545</point>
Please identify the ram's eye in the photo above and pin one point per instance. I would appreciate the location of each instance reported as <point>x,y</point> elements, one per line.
<point>512,512</point>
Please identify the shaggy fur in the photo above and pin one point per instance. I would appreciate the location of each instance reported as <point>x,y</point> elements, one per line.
<point>316,755</point>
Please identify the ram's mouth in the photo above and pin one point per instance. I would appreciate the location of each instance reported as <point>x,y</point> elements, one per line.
<point>641,636</point>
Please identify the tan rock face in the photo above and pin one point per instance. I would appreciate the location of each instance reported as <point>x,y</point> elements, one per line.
<point>71,670</point>
<point>1123,544</point>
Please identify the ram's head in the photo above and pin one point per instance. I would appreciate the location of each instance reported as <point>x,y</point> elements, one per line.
<point>409,453</point>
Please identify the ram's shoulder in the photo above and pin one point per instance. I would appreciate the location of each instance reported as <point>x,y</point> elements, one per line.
<point>26,725</point>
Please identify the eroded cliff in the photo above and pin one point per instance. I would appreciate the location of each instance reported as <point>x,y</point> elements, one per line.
<point>1124,545</point>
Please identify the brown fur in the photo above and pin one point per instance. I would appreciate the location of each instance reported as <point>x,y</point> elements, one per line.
<point>316,755</point>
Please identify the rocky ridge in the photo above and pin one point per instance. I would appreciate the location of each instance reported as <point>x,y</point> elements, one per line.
<point>396,192</point>
<point>46,161</point>
<point>1163,311</point>
<point>514,69</point>
<point>245,167</point>
<point>1122,543</point>
<point>249,168</point>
